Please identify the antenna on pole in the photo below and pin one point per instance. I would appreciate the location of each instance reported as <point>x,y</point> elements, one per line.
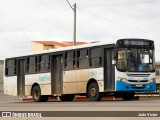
<point>74,31</point>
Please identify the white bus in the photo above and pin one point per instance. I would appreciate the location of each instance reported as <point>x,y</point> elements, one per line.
<point>94,70</point>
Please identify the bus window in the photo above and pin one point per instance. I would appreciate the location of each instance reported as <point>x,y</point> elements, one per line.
<point>84,60</point>
<point>31,64</point>
<point>43,63</point>
<point>96,60</point>
<point>74,60</point>
<point>78,58</point>
<point>10,67</point>
<point>65,60</point>
<point>69,60</point>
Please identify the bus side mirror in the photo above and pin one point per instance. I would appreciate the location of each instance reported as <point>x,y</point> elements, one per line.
<point>113,62</point>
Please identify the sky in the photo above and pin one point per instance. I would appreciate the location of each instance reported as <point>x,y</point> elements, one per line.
<point>23,21</point>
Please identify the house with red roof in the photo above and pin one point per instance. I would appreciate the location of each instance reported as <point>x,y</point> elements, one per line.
<point>47,45</point>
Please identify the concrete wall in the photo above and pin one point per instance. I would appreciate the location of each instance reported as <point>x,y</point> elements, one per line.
<point>40,47</point>
<point>37,46</point>
<point>1,71</point>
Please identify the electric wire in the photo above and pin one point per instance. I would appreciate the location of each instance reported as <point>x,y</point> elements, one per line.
<point>117,4</point>
<point>114,22</point>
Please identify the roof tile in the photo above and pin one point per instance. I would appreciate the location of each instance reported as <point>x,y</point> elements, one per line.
<point>64,44</point>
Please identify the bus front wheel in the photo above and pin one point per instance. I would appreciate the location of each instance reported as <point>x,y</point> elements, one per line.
<point>36,94</point>
<point>93,92</point>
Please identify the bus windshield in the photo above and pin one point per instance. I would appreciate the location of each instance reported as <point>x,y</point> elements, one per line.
<point>135,59</point>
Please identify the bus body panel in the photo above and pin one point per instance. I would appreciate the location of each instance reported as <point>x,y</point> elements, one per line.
<point>10,85</point>
<point>76,81</point>
<point>42,79</point>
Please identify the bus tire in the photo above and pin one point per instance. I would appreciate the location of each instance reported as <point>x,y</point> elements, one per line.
<point>93,92</point>
<point>128,96</point>
<point>67,98</point>
<point>36,94</point>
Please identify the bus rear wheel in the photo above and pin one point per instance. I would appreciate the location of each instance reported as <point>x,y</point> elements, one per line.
<point>36,94</point>
<point>93,92</point>
<point>67,98</point>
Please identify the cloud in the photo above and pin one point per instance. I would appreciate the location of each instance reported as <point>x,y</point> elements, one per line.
<point>25,21</point>
<point>13,43</point>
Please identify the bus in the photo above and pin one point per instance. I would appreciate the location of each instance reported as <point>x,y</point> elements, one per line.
<point>92,70</point>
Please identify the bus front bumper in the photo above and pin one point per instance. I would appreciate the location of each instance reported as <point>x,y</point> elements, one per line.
<point>122,86</point>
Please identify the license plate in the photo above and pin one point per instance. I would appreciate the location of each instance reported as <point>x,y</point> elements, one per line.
<point>138,85</point>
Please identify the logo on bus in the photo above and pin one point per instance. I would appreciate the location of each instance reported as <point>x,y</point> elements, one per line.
<point>44,78</point>
<point>93,73</point>
<point>140,68</point>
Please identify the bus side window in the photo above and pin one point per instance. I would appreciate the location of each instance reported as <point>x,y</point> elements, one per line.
<point>96,59</point>
<point>65,61</point>
<point>84,59</point>
<point>44,63</point>
<point>74,60</point>
<point>78,58</point>
<point>39,64</point>
<point>69,60</point>
<point>10,67</point>
<point>32,64</point>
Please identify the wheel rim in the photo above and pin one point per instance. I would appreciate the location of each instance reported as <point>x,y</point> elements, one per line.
<point>36,94</point>
<point>93,91</point>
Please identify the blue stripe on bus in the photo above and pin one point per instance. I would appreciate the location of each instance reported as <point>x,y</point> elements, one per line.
<point>122,86</point>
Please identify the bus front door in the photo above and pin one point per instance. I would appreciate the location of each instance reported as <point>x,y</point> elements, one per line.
<point>56,74</point>
<point>109,69</point>
<point>21,77</point>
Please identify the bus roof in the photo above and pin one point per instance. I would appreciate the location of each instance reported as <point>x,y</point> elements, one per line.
<point>63,49</point>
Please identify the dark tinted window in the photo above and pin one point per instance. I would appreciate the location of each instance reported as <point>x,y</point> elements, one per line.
<point>10,69</point>
<point>95,57</point>
<point>31,64</point>
<point>43,64</point>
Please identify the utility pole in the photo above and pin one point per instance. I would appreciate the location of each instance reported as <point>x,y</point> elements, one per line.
<point>74,29</point>
<point>74,36</point>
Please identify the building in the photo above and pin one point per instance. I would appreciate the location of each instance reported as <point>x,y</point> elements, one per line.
<point>46,45</point>
<point>1,75</point>
<point>1,71</point>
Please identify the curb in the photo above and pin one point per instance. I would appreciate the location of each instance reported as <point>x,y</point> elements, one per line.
<point>78,98</point>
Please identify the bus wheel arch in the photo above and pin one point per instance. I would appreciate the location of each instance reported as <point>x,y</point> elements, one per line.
<point>93,90</point>
<point>36,93</point>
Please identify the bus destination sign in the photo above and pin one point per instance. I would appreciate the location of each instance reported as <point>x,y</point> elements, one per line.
<point>135,43</point>
<point>139,43</point>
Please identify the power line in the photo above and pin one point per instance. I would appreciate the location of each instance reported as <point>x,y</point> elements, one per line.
<point>116,4</point>
<point>106,19</point>
<point>36,22</point>
<point>70,5</point>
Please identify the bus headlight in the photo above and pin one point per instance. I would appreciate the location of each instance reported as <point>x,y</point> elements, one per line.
<point>122,79</point>
<point>153,80</point>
